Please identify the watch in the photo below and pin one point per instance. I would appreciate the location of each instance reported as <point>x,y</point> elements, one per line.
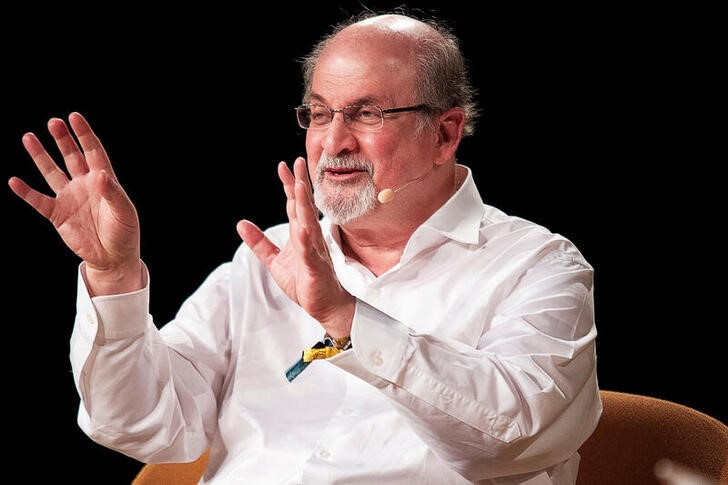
<point>342,343</point>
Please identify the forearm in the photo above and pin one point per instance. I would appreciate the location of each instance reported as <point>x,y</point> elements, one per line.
<point>137,396</point>
<point>476,410</point>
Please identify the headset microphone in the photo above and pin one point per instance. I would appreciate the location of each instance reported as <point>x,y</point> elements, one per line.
<point>387,195</point>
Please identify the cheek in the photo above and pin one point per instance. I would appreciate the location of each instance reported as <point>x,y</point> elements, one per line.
<point>313,146</point>
<point>389,151</point>
<point>377,146</point>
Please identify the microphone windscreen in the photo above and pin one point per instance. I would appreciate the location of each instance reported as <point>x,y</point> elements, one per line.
<point>385,196</point>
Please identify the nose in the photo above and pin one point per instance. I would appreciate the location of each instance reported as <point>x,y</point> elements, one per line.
<point>338,138</point>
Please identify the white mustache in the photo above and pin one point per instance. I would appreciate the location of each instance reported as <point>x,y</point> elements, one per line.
<point>326,162</point>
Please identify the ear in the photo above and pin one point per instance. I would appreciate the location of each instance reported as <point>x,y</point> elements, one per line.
<point>449,133</point>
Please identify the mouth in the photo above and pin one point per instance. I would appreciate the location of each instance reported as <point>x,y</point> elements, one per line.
<point>337,173</point>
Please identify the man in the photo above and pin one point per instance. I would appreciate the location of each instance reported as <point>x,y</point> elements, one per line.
<point>443,341</point>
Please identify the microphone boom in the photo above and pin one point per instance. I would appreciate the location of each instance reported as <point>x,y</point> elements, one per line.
<point>387,195</point>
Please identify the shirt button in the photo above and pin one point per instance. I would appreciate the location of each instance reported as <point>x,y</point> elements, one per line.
<point>324,455</point>
<point>375,292</point>
<point>347,411</point>
<point>377,358</point>
<point>90,320</point>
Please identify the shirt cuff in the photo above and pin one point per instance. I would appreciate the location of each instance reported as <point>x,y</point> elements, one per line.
<point>113,317</point>
<point>381,347</point>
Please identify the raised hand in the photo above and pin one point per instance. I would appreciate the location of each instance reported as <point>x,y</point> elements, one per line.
<point>303,268</point>
<point>90,210</point>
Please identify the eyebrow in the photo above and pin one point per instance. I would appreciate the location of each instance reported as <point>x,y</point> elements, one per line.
<point>360,100</point>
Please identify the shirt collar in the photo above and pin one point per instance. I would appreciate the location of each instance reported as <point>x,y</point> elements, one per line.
<point>458,219</point>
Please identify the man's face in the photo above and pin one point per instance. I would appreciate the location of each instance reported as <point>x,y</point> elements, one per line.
<point>358,163</point>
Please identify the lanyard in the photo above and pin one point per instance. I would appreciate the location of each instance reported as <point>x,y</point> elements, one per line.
<point>321,350</point>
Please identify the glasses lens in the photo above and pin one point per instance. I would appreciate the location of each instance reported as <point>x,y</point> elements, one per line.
<point>303,115</point>
<point>313,116</point>
<point>365,115</point>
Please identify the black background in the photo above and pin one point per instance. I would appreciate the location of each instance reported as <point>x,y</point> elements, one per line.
<point>595,124</point>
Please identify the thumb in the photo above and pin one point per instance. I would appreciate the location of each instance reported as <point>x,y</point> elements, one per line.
<point>108,187</point>
<point>113,193</point>
<point>261,246</point>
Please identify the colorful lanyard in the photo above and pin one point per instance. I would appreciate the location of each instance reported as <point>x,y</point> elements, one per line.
<point>321,350</point>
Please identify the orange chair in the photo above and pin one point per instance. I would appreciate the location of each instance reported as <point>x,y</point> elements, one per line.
<point>634,433</point>
<point>173,473</point>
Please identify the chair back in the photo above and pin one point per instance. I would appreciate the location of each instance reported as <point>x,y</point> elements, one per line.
<point>173,473</point>
<point>635,432</point>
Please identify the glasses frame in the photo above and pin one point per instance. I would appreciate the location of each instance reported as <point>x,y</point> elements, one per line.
<point>347,120</point>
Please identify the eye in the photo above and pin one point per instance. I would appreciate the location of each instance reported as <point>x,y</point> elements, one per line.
<point>319,115</point>
<point>368,114</point>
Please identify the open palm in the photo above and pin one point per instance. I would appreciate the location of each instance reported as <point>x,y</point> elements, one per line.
<point>90,210</point>
<point>303,268</point>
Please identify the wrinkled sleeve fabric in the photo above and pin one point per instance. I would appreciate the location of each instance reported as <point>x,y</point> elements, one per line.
<point>148,394</point>
<point>523,399</point>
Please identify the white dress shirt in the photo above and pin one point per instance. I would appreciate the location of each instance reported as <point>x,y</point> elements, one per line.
<point>473,360</point>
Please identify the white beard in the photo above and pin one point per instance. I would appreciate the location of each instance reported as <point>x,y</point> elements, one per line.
<point>343,202</point>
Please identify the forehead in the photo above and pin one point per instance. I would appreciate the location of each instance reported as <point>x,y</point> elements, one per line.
<point>377,73</point>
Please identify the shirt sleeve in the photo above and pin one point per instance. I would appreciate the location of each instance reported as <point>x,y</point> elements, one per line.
<point>523,399</point>
<point>149,394</point>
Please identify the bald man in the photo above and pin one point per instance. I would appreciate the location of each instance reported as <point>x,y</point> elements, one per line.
<point>412,335</point>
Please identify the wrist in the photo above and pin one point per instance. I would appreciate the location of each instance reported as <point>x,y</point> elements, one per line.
<point>339,325</point>
<point>124,278</point>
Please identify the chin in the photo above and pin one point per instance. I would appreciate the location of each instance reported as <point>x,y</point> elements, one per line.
<point>347,205</point>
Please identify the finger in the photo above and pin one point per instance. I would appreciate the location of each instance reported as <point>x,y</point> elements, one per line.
<point>291,210</point>
<point>309,253</point>
<point>284,173</point>
<point>304,210</point>
<point>307,216</point>
<point>40,202</point>
<point>54,176</point>
<point>289,183</point>
<point>301,173</point>
<point>299,170</point>
<point>93,150</point>
<point>261,246</point>
<point>303,242</point>
<point>75,161</point>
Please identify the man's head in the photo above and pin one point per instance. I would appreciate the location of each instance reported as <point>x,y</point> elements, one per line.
<point>410,78</point>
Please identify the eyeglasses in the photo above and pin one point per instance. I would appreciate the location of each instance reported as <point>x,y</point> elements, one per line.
<point>366,117</point>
